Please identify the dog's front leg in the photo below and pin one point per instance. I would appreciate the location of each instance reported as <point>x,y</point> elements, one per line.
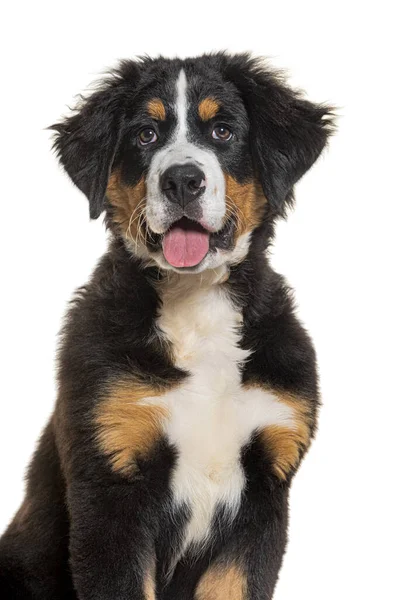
<point>117,466</point>
<point>112,541</point>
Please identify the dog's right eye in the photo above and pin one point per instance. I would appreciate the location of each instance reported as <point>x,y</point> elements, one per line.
<point>147,136</point>
<point>222,132</point>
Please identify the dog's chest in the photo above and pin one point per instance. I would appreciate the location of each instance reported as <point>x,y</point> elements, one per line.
<point>211,417</point>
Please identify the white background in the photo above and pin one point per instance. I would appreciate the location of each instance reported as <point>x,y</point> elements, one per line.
<point>338,248</point>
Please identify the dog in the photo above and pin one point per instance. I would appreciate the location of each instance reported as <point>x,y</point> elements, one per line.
<point>188,391</point>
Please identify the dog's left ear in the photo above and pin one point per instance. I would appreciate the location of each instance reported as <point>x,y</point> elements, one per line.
<point>287,133</point>
<point>86,142</point>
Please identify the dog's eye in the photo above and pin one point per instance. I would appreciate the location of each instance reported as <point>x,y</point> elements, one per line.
<point>147,136</point>
<point>222,132</point>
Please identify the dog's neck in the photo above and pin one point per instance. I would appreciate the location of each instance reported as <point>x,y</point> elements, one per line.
<point>251,279</point>
<point>173,283</point>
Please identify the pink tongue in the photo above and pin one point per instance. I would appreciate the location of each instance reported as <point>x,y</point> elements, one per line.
<point>185,247</point>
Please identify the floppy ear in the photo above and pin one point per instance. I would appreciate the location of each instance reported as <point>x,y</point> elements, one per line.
<point>287,133</point>
<point>87,141</point>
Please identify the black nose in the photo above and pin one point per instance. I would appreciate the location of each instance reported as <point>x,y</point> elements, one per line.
<point>183,183</point>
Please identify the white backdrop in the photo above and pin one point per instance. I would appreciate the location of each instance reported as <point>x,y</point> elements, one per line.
<point>338,249</point>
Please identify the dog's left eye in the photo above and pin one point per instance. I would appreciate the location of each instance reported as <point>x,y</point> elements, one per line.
<point>147,136</point>
<point>222,132</point>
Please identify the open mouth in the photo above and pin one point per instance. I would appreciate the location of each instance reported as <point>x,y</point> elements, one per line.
<point>186,243</point>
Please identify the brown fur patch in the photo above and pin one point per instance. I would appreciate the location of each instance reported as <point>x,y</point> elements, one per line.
<point>149,586</point>
<point>208,108</point>
<point>128,203</point>
<point>125,428</point>
<point>222,583</point>
<point>286,444</point>
<point>156,109</point>
<point>246,202</point>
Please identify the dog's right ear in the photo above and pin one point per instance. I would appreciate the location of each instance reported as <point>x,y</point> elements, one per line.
<point>87,141</point>
<point>287,132</point>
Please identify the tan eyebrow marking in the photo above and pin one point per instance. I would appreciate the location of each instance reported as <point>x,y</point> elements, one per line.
<point>208,108</point>
<point>156,109</point>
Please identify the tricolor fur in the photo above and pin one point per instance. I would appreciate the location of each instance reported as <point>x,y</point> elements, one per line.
<point>187,387</point>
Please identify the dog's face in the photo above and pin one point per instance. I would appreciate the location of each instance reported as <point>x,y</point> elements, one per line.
<point>183,190</point>
<point>190,158</point>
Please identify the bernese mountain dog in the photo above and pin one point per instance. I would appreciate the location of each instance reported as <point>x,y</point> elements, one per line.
<point>188,390</point>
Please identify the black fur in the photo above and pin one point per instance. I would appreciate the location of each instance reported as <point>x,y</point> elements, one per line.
<point>83,531</point>
<point>287,133</point>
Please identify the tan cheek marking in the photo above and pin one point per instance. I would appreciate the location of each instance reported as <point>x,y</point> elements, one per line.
<point>246,201</point>
<point>156,109</point>
<point>127,203</point>
<point>208,108</point>
<point>125,428</point>
<point>285,445</point>
<point>219,583</point>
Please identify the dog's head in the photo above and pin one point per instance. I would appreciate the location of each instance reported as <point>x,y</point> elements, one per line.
<point>190,157</point>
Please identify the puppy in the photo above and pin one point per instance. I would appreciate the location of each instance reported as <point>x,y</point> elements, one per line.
<point>187,387</point>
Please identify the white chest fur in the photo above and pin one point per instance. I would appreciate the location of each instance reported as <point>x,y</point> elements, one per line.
<point>211,416</point>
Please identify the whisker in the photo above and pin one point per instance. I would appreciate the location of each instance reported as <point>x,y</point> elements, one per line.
<point>237,210</point>
<point>139,228</point>
<point>131,219</point>
<point>236,206</point>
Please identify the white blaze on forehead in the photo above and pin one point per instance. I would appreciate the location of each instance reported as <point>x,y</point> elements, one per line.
<point>179,151</point>
<point>181,104</point>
